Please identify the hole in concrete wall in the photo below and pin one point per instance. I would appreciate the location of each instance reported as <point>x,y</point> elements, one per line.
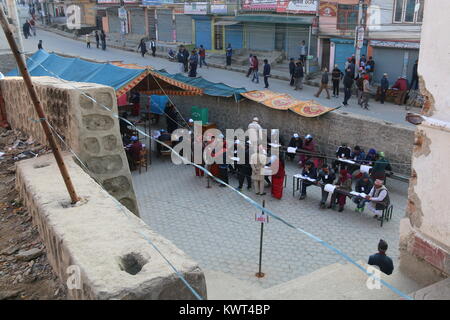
<point>132,263</point>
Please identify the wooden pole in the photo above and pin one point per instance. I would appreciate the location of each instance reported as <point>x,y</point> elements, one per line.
<point>38,107</point>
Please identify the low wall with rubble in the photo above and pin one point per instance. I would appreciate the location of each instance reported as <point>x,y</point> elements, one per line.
<point>98,247</point>
<point>86,127</point>
<point>329,130</point>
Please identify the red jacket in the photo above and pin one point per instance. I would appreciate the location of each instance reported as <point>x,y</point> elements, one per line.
<point>401,84</point>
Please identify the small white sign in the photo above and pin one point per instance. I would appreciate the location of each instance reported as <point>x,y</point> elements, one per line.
<point>291,150</point>
<point>261,217</point>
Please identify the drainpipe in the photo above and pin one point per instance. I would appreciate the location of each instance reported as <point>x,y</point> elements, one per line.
<point>309,49</point>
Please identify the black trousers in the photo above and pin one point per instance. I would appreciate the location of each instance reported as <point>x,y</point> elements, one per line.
<point>292,80</point>
<point>245,174</point>
<point>266,81</point>
<point>153,51</point>
<point>228,60</point>
<point>336,87</point>
<point>224,174</point>
<point>249,72</point>
<point>383,95</point>
<point>347,95</point>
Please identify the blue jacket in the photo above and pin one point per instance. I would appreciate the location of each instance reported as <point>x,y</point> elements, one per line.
<point>266,71</point>
<point>384,83</point>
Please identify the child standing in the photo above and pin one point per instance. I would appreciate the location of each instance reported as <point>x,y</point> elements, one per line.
<point>88,41</point>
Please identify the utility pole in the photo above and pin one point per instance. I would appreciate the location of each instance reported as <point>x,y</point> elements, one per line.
<point>359,36</point>
<point>38,107</point>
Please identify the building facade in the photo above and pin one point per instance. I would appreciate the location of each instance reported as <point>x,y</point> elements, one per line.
<point>394,28</point>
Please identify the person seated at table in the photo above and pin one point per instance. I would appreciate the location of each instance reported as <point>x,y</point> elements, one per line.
<point>363,185</point>
<point>380,166</point>
<point>343,183</point>
<point>295,142</point>
<point>308,171</point>
<point>163,137</point>
<point>342,152</point>
<point>379,199</point>
<point>310,147</point>
<point>358,154</point>
<point>135,150</point>
<point>326,176</point>
<point>123,125</point>
<point>370,157</point>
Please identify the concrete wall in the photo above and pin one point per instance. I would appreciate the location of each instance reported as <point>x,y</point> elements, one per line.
<point>87,128</point>
<point>7,61</point>
<point>100,240</point>
<point>329,130</point>
<point>425,232</point>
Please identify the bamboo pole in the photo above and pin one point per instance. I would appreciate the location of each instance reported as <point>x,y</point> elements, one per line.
<point>38,107</point>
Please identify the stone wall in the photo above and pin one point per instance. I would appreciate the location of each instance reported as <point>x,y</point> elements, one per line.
<point>97,247</point>
<point>329,130</point>
<point>86,127</point>
<point>7,62</point>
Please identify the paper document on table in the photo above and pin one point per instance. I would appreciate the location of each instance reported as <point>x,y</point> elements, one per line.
<point>308,178</point>
<point>298,176</point>
<point>329,188</point>
<point>363,195</point>
<point>235,158</point>
<point>291,150</point>
<point>364,168</point>
<point>345,160</point>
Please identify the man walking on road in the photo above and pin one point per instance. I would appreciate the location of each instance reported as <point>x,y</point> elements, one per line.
<point>366,92</point>
<point>202,54</point>
<point>250,64</point>
<point>143,47</point>
<point>291,70</point>
<point>298,76</point>
<point>229,54</point>
<point>324,84</point>
<point>97,39</point>
<point>266,73</point>
<point>103,39</point>
<point>348,84</point>
<point>384,87</point>
<point>153,47</point>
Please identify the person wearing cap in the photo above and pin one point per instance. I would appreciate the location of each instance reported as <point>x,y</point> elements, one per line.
<point>308,171</point>
<point>384,86</point>
<point>378,199</point>
<point>310,147</point>
<point>381,260</point>
<point>255,130</point>
<point>380,166</point>
<point>295,142</point>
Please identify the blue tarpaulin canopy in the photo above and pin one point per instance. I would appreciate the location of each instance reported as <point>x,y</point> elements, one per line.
<point>43,63</point>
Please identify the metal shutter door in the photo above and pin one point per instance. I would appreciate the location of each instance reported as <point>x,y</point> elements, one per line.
<point>234,35</point>
<point>113,20</point>
<point>137,21</point>
<point>184,28</point>
<point>413,56</point>
<point>165,25</point>
<point>343,51</point>
<point>295,34</point>
<point>203,33</point>
<point>151,23</point>
<point>261,37</point>
<point>388,60</point>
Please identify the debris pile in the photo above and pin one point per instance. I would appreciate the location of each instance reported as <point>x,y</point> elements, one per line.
<point>25,272</point>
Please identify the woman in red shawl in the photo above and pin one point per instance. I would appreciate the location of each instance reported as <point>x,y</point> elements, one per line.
<point>278,178</point>
<point>344,183</point>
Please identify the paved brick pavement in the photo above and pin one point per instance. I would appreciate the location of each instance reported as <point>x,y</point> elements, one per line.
<point>216,226</point>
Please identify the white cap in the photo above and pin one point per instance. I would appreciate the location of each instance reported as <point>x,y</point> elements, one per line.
<point>190,120</point>
<point>295,135</point>
<point>308,136</point>
<point>255,119</point>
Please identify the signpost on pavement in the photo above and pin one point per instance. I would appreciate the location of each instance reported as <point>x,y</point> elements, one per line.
<point>263,218</point>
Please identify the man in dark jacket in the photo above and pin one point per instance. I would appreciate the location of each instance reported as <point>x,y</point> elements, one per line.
<point>26,29</point>
<point>415,77</point>
<point>326,176</point>
<point>381,260</point>
<point>348,84</point>
<point>324,84</point>
<point>97,39</point>
<point>186,59</point>
<point>298,76</point>
<point>336,76</point>
<point>384,87</point>
<point>180,58</point>
<point>363,185</point>
<point>291,71</point>
<point>266,73</point>
<point>171,117</point>
<point>308,171</point>
<point>245,170</point>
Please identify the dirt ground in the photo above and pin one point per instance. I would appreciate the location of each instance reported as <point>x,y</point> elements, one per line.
<point>24,275</point>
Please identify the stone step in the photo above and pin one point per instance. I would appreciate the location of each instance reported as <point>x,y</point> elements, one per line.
<point>437,291</point>
<point>339,282</point>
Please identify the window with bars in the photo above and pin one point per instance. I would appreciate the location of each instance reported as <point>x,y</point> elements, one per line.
<point>347,17</point>
<point>408,11</point>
